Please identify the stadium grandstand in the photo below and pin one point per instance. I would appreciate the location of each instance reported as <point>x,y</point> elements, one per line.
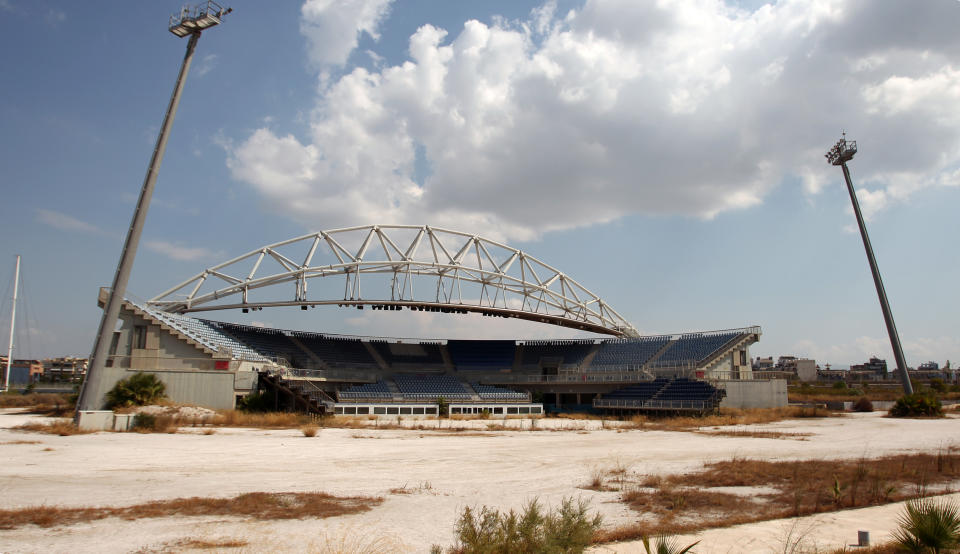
<point>214,363</point>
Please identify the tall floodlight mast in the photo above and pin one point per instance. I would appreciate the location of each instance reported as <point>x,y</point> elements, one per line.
<point>13,317</point>
<point>188,22</point>
<point>840,154</point>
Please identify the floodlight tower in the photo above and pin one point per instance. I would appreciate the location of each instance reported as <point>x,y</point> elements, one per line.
<point>841,153</point>
<point>188,22</point>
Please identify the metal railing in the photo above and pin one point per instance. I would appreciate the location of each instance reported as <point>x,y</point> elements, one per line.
<point>654,404</point>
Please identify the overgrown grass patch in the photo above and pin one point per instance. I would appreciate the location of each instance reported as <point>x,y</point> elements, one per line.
<point>61,427</point>
<point>677,504</point>
<point>256,505</point>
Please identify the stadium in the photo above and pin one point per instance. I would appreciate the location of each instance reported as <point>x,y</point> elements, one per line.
<point>617,371</point>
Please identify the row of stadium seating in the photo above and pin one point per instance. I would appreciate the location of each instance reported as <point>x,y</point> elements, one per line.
<point>666,390</point>
<point>695,347</point>
<point>302,349</point>
<point>617,353</point>
<point>430,387</point>
<point>571,352</point>
<point>207,335</point>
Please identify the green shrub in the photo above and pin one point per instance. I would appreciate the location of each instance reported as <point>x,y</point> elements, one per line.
<point>938,385</point>
<point>928,525</point>
<point>144,422</point>
<point>863,404</point>
<point>255,402</point>
<point>487,531</point>
<point>140,389</point>
<point>917,405</point>
<point>839,385</point>
<point>443,407</point>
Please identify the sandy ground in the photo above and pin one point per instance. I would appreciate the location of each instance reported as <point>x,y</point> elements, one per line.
<point>445,471</point>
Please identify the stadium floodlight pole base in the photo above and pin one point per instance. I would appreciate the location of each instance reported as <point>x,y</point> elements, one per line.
<point>840,154</point>
<point>89,398</point>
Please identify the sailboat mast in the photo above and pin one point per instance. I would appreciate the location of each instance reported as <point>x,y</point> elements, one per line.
<point>13,315</point>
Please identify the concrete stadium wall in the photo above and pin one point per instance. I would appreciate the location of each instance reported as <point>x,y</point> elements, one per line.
<point>755,394</point>
<point>210,389</point>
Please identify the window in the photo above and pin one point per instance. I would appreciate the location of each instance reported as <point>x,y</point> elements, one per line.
<point>392,410</point>
<point>339,409</point>
<point>456,410</point>
<point>535,410</point>
<point>363,410</point>
<point>431,411</point>
<point>524,409</point>
<point>418,411</point>
<point>498,410</point>
<point>512,410</point>
<point>406,411</point>
<point>379,410</point>
<point>352,410</point>
<point>140,336</point>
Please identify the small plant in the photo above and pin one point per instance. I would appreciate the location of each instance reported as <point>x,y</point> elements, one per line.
<point>309,430</point>
<point>928,526</point>
<point>140,389</point>
<point>863,404</point>
<point>144,422</point>
<point>917,405</point>
<point>666,545</point>
<point>255,402</point>
<point>568,529</point>
<point>443,407</point>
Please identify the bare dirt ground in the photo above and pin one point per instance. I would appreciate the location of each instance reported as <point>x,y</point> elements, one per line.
<point>425,476</point>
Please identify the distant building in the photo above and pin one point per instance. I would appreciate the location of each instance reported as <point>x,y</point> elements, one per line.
<point>804,369</point>
<point>763,364</point>
<point>65,368</point>
<point>875,365</point>
<point>928,366</point>
<point>23,372</point>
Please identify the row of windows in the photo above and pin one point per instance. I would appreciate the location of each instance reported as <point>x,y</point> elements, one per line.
<point>432,410</point>
<point>385,410</point>
<point>495,410</point>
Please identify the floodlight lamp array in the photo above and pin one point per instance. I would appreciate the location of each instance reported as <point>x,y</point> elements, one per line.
<point>189,21</point>
<point>841,152</point>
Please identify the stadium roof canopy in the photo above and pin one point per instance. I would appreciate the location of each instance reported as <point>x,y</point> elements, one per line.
<point>392,267</point>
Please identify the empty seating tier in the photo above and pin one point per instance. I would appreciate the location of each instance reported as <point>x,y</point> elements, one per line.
<point>695,347</point>
<point>482,354</point>
<point>429,387</point>
<point>571,352</point>
<point>627,352</point>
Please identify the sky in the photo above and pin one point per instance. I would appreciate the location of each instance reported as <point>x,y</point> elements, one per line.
<point>667,155</point>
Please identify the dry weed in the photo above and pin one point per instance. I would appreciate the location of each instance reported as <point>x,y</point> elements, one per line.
<point>268,420</point>
<point>64,428</point>
<point>309,430</point>
<point>685,503</point>
<point>257,505</point>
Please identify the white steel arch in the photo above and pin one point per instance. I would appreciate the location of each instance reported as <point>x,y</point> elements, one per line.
<point>463,272</point>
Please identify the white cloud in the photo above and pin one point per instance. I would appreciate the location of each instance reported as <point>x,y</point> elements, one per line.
<point>66,222</point>
<point>333,27</point>
<point>54,17</point>
<point>207,63</point>
<point>182,253</point>
<point>916,351</point>
<point>621,107</point>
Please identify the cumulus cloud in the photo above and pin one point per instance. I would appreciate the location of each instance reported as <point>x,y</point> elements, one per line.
<point>916,351</point>
<point>181,253</point>
<point>333,27</point>
<point>619,107</point>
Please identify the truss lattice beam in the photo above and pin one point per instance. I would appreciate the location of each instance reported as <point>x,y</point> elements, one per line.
<point>471,273</point>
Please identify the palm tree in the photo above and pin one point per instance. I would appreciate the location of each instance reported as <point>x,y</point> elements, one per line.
<point>929,526</point>
<point>666,545</point>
